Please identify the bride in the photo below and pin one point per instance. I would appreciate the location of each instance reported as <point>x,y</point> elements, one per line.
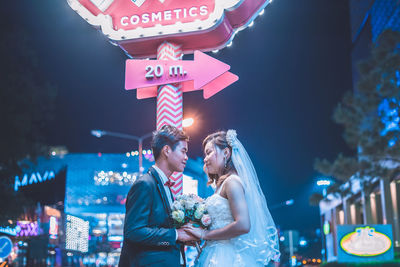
<point>242,232</point>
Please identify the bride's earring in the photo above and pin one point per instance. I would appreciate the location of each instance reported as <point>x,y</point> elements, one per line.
<point>225,161</point>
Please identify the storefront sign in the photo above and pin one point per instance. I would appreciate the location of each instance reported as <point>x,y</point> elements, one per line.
<point>363,243</point>
<point>33,178</point>
<point>139,26</point>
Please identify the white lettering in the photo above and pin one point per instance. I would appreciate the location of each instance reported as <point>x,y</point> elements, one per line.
<point>123,19</point>
<point>203,10</point>
<point>156,16</point>
<point>167,14</point>
<point>175,70</point>
<point>191,10</point>
<point>51,175</point>
<point>135,19</point>
<point>177,11</point>
<point>145,18</point>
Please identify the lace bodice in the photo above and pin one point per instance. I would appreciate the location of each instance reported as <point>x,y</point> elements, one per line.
<point>219,211</point>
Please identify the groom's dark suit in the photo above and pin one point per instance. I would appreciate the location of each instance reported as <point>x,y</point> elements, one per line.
<point>149,239</point>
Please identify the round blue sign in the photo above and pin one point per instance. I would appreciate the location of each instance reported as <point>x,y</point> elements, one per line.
<point>5,246</point>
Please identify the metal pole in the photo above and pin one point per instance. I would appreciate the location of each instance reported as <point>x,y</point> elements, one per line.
<point>290,244</point>
<point>140,156</point>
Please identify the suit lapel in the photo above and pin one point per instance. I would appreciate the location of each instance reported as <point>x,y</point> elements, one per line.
<point>161,190</point>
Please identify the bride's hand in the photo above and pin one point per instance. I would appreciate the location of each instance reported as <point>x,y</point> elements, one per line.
<point>194,231</point>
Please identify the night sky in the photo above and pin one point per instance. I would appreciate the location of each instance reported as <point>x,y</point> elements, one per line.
<point>293,67</point>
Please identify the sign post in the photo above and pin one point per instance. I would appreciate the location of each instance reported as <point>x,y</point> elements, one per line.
<point>169,103</point>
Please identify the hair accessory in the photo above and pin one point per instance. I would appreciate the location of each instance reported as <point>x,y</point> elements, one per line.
<point>231,138</point>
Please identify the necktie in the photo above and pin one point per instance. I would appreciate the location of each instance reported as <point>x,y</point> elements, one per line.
<point>169,183</point>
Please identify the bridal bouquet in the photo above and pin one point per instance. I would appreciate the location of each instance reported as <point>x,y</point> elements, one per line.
<point>190,209</point>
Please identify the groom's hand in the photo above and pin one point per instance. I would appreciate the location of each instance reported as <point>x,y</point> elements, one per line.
<point>185,237</point>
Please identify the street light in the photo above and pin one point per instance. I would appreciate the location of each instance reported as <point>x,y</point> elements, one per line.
<point>101,133</point>
<point>286,203</point>
<point>187,122</point>
<point>325,183</point>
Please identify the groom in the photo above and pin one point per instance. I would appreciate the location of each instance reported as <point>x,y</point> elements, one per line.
<point>149,239</point>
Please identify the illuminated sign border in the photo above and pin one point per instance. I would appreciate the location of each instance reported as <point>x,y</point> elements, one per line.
<point>346,237</point>
<point>106,24</point>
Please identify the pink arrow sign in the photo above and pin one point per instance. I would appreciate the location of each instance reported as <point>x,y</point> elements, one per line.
<point>204,72</point>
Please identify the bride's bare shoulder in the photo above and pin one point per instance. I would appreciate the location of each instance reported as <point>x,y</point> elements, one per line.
<point>233,180</point>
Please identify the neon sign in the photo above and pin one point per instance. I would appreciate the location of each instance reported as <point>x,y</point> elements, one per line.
<point>34,178</point>
<point>53,229</point>
<point>28,228</point>
<point>10,231</point>
<point>139,26</point>
<point>365,242</point>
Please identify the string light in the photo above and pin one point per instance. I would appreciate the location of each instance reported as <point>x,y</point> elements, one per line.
<point>107,178</point>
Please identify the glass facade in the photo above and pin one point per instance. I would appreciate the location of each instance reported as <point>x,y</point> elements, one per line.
<point>369,18</point>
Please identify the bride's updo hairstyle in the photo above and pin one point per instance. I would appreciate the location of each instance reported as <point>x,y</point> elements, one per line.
<point>218,139</point>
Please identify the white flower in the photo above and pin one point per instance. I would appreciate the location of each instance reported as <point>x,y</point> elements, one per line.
<point>198,213</point>
<point>189,204</point>
<point>206,220</point>
<point>231,137</point>
<point>178,216</point>
<point>182,202</point>
<point>177,206</point>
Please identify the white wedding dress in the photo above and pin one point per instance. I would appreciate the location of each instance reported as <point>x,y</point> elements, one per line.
<point>229,253</point>
<point>261,244</point>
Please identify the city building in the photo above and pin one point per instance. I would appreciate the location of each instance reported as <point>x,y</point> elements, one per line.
<point>358,204</point>
<point>369,18</point>
<point>82,205</point>
<point>366,201</point>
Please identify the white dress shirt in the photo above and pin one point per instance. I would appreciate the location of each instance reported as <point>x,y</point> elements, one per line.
<point>165,179</point>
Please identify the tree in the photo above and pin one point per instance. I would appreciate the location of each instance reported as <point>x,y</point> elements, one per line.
<point>27,101</point>
<point>370,117</point>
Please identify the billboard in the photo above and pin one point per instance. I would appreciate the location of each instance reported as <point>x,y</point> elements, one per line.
<point>365,243</point>
<point>77,234</point>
